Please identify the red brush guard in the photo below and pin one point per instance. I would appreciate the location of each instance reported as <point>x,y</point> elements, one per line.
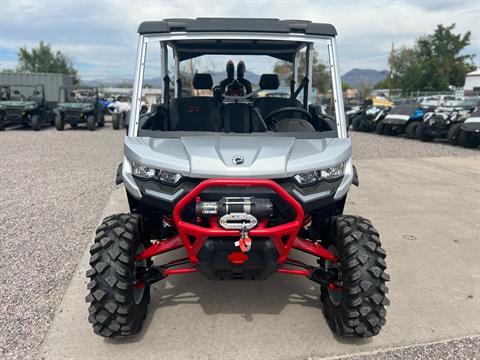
<point>192,237</point>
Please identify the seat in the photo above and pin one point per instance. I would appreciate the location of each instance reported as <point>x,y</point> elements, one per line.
<point>196,113</point>
<point>266,104</point>
<point>229,79</point>
<point>236,117</point>
<point>241,69</point>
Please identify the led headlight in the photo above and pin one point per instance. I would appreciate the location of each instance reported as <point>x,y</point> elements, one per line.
<point>328,174</point>
<point>164,176</point>
<point>331,173</point>
<point>143,171</point>
<point>168,177</point>
<point>306,178</point>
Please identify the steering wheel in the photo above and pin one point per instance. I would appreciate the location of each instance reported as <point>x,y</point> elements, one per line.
<point>304,112</point>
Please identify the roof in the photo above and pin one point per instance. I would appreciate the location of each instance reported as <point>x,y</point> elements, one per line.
<point>474,73</point>
<point>255,25</point>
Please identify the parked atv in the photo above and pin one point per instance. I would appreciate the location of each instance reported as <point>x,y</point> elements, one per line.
<point>24,105</point>
<point>120,109</point>
<point>469,131</point>
<point>401,119</point>
<point>237,181</point>
<point>367,120</point>
<point>79,105</point>
<point>442,123</point>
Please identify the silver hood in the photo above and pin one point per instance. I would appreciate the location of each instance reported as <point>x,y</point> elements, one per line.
<point>212,156</point>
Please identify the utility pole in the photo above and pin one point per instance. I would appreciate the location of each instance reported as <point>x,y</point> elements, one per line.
<point>390,76</point>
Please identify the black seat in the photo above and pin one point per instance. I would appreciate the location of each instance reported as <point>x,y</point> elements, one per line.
<point>229,79</point>
<point>241,69</point>
<point>267,104</point>
<point>196,113</point>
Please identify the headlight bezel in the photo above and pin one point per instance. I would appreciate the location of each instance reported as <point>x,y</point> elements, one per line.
<point>328,174</point>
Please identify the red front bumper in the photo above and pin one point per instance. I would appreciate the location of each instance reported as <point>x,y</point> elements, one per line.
<point>192,236</point>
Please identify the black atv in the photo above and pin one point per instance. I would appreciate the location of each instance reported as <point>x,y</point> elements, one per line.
<point>79,105</point>
<point>24,105</point>
<point>469,131</point>
<point>442,123</point>
<point>368,116</point>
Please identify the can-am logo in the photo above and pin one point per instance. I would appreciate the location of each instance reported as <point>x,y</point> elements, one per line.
<point>238,160</point>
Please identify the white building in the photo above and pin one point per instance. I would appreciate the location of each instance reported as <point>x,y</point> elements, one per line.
<point>472,83</point>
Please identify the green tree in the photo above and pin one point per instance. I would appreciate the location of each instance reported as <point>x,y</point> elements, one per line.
<point>345,86</point>
<point>321,78</point>
<point>44,59</point>
<point>433,63</point>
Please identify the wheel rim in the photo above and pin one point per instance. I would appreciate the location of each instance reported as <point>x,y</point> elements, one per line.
<point>139,268</point>
<point>335,294</point>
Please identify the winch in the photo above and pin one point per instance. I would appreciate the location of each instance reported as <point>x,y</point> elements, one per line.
<point>237,213</point>
<point>257,207</point>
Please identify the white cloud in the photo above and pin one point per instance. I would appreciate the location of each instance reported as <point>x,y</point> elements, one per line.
<point>100,36</point>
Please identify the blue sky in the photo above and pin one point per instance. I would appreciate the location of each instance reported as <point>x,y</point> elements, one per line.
<point>100,36</point>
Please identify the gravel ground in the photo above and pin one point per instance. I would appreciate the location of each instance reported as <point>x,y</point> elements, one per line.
<point>374,146</point>
<point>53,187</point>
<point>466,348</point>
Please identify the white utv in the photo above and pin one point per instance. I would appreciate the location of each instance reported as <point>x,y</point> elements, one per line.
<point>247,186</point>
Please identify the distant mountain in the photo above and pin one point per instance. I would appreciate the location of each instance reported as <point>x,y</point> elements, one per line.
<point>107,82</point>
<point>356,77</point>
<point>157,81</point>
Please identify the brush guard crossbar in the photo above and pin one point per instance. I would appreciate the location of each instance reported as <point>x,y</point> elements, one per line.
<point>192,237</point>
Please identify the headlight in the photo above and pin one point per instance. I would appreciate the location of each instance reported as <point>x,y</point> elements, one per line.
<point>30,107</point>
<point>143,171</point>
<point>164,176</point>
<point>328,174</point>
<point>306,178</point>
<point>168,177</point>
<point>332,173</point>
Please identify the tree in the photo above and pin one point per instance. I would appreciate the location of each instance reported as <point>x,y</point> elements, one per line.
<point>321,78</point>
<point>434,63</point>
<point>43,59</point>
<point>345,86</point>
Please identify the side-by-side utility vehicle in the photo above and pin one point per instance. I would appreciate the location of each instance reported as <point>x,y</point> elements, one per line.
<point>401,119</point>
<point>79,105</point>
<point>24,105</point>
<point>246,186</point>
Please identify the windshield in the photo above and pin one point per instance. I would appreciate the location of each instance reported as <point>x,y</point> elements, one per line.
<point>77,95</point>
<point>21,93</point>
<point>235,86</point>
